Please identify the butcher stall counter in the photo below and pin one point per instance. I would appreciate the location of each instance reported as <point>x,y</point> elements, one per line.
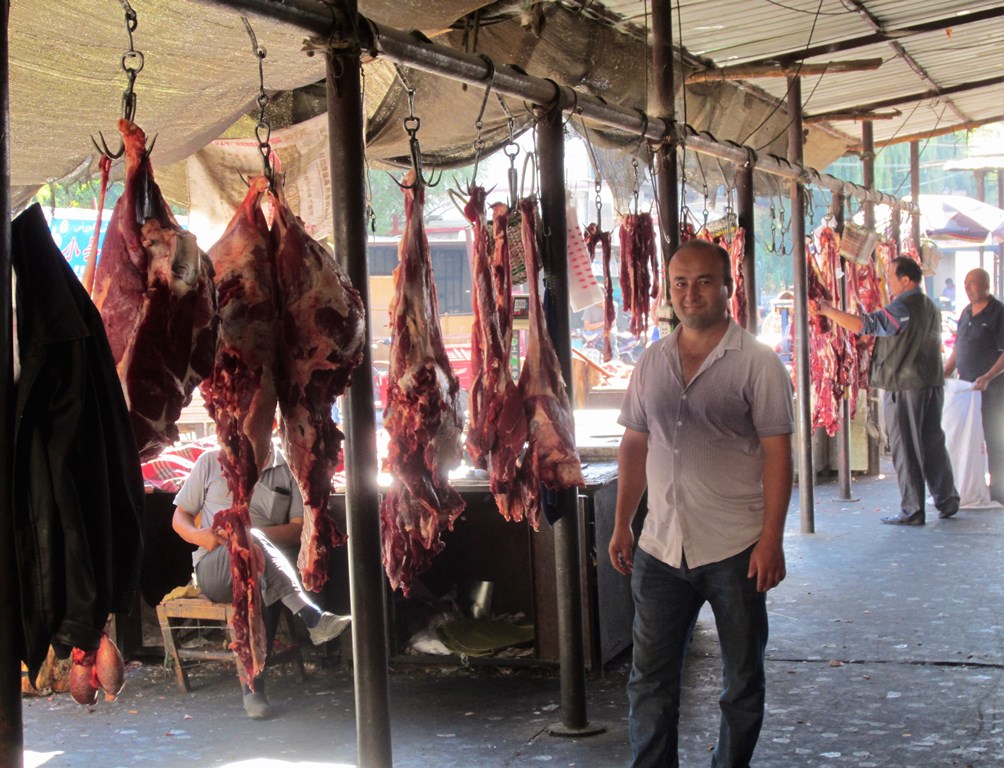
<point>482,547</point>
<point>520,563</point>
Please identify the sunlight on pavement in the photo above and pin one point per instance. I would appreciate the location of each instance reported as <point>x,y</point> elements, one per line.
<point>270,762</point>
<point>35,759</point>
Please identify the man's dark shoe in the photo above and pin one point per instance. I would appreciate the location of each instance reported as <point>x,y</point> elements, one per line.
<point>950,510</point>
<point>917,518</point>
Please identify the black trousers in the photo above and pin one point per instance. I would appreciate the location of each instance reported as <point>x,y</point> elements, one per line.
<point>917,444</point>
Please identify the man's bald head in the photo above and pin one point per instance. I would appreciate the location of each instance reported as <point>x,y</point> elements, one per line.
<point>977,285</point>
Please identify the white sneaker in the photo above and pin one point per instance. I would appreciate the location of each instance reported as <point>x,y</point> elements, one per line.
<point>328,627</point>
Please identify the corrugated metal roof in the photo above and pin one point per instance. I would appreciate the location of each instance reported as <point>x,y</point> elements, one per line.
<point>961,48</point>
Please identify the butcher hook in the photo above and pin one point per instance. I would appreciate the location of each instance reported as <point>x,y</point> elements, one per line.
<point>411,125</point>
<point>132,64</point>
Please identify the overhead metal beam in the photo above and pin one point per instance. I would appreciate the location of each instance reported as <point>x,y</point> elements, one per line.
<point>911,62</point>
<point>937,93</point>
<point>748,71</point>
<point>933,133</point>
<point>316,18</point>
<point>851,114</point>
<point>884,36</point>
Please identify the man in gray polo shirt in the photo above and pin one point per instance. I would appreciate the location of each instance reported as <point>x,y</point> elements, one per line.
<point>276,511</point>
<point>708,423</point>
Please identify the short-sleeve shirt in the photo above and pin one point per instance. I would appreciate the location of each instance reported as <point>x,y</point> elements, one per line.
<point>979,340</point>
<point>275,501</point>
<point>705,463</point>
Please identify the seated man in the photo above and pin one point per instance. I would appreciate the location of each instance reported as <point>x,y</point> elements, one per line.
<point>276,518</point>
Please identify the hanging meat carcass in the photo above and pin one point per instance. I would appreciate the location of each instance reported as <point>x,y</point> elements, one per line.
<point>423,415</point>
<point>550,459</point>
<point>736,247</point>
<point>594,236</point>
<point>863,289</point>
<point>639,269</point>
<point>497,432</point>
<point>154,289</point>
<point>831,352</point>
<point>240,396</point>
<point>322,333</point>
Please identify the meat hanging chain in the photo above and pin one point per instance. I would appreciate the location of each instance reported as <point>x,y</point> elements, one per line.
<point>240,396</point>
<point>322,335</point>
<point>154,289</point>
<point>550,459</point>
<point>423,416</point>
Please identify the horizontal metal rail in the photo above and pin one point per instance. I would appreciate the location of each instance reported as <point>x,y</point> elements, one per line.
<point>413,50</point>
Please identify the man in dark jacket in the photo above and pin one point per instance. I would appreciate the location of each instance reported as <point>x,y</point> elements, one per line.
<point>907,366</point>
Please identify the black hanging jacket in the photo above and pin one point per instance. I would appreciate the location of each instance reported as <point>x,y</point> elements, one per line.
<point>77,499</point>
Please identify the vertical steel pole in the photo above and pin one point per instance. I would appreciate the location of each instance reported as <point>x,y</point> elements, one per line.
<point>806,477</point>
<point>663,105</point>
<point>11,724</point>
<point>914,192</point>
<point>745,202</point>
<point>362,499</point>
<point>551,151</point>
<point>868,180</point>
<point>844,435</point>
<point>999,270</point>
<point>981,195</point>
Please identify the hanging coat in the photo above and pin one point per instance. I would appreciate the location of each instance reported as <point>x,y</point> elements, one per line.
<point>77,490</point>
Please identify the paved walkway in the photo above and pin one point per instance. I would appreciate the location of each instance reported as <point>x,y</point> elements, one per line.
<point>887,651</point>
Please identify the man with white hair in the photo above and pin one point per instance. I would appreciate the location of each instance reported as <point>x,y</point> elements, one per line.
<point>978,356</point>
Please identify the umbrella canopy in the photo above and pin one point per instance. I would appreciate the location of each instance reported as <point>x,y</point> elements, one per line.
<point>951,221</point>
<point>965,220</point>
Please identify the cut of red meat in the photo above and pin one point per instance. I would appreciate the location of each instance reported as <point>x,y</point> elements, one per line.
<point>497,433</point>
<point>550,459</point>
<point>322,335</point>
<point>594,236</point>
<point>423,416</point>
<point>154,289</point>
<point>740,312</point>
<point>639,268</point>
<point>240,396</point>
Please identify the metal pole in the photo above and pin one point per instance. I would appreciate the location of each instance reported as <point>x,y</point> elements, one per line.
<point>844,435</point>
<point>315,16</point>
<point>868,180</point>
<point>11,723</point>
<point>806,477</point>
<point>551,151</point>
<point>745,202</point>
<point>663,105</point>
<point>981,195</point>
<point>362,498</point>
<point>999,271</point>
<point>914,193</point>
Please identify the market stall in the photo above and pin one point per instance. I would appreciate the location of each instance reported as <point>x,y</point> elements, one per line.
<point>342,38</point>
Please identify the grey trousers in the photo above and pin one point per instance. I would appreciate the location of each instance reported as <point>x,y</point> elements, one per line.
<point>279,582</point>
<point>917,444</point>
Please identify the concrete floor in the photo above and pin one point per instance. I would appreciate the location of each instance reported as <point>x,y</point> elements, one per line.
<point>887,650</point>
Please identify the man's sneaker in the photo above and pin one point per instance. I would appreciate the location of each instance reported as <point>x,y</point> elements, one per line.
<point>328,627</point>
<point>256,705</point>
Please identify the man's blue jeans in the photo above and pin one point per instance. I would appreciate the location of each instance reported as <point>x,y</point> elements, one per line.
<point>667,602</point>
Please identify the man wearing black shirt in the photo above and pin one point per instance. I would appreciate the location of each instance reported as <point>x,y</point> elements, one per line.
<point>979,358</point>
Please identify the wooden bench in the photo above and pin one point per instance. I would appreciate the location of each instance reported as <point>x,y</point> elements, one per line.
<point>200,613</point>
